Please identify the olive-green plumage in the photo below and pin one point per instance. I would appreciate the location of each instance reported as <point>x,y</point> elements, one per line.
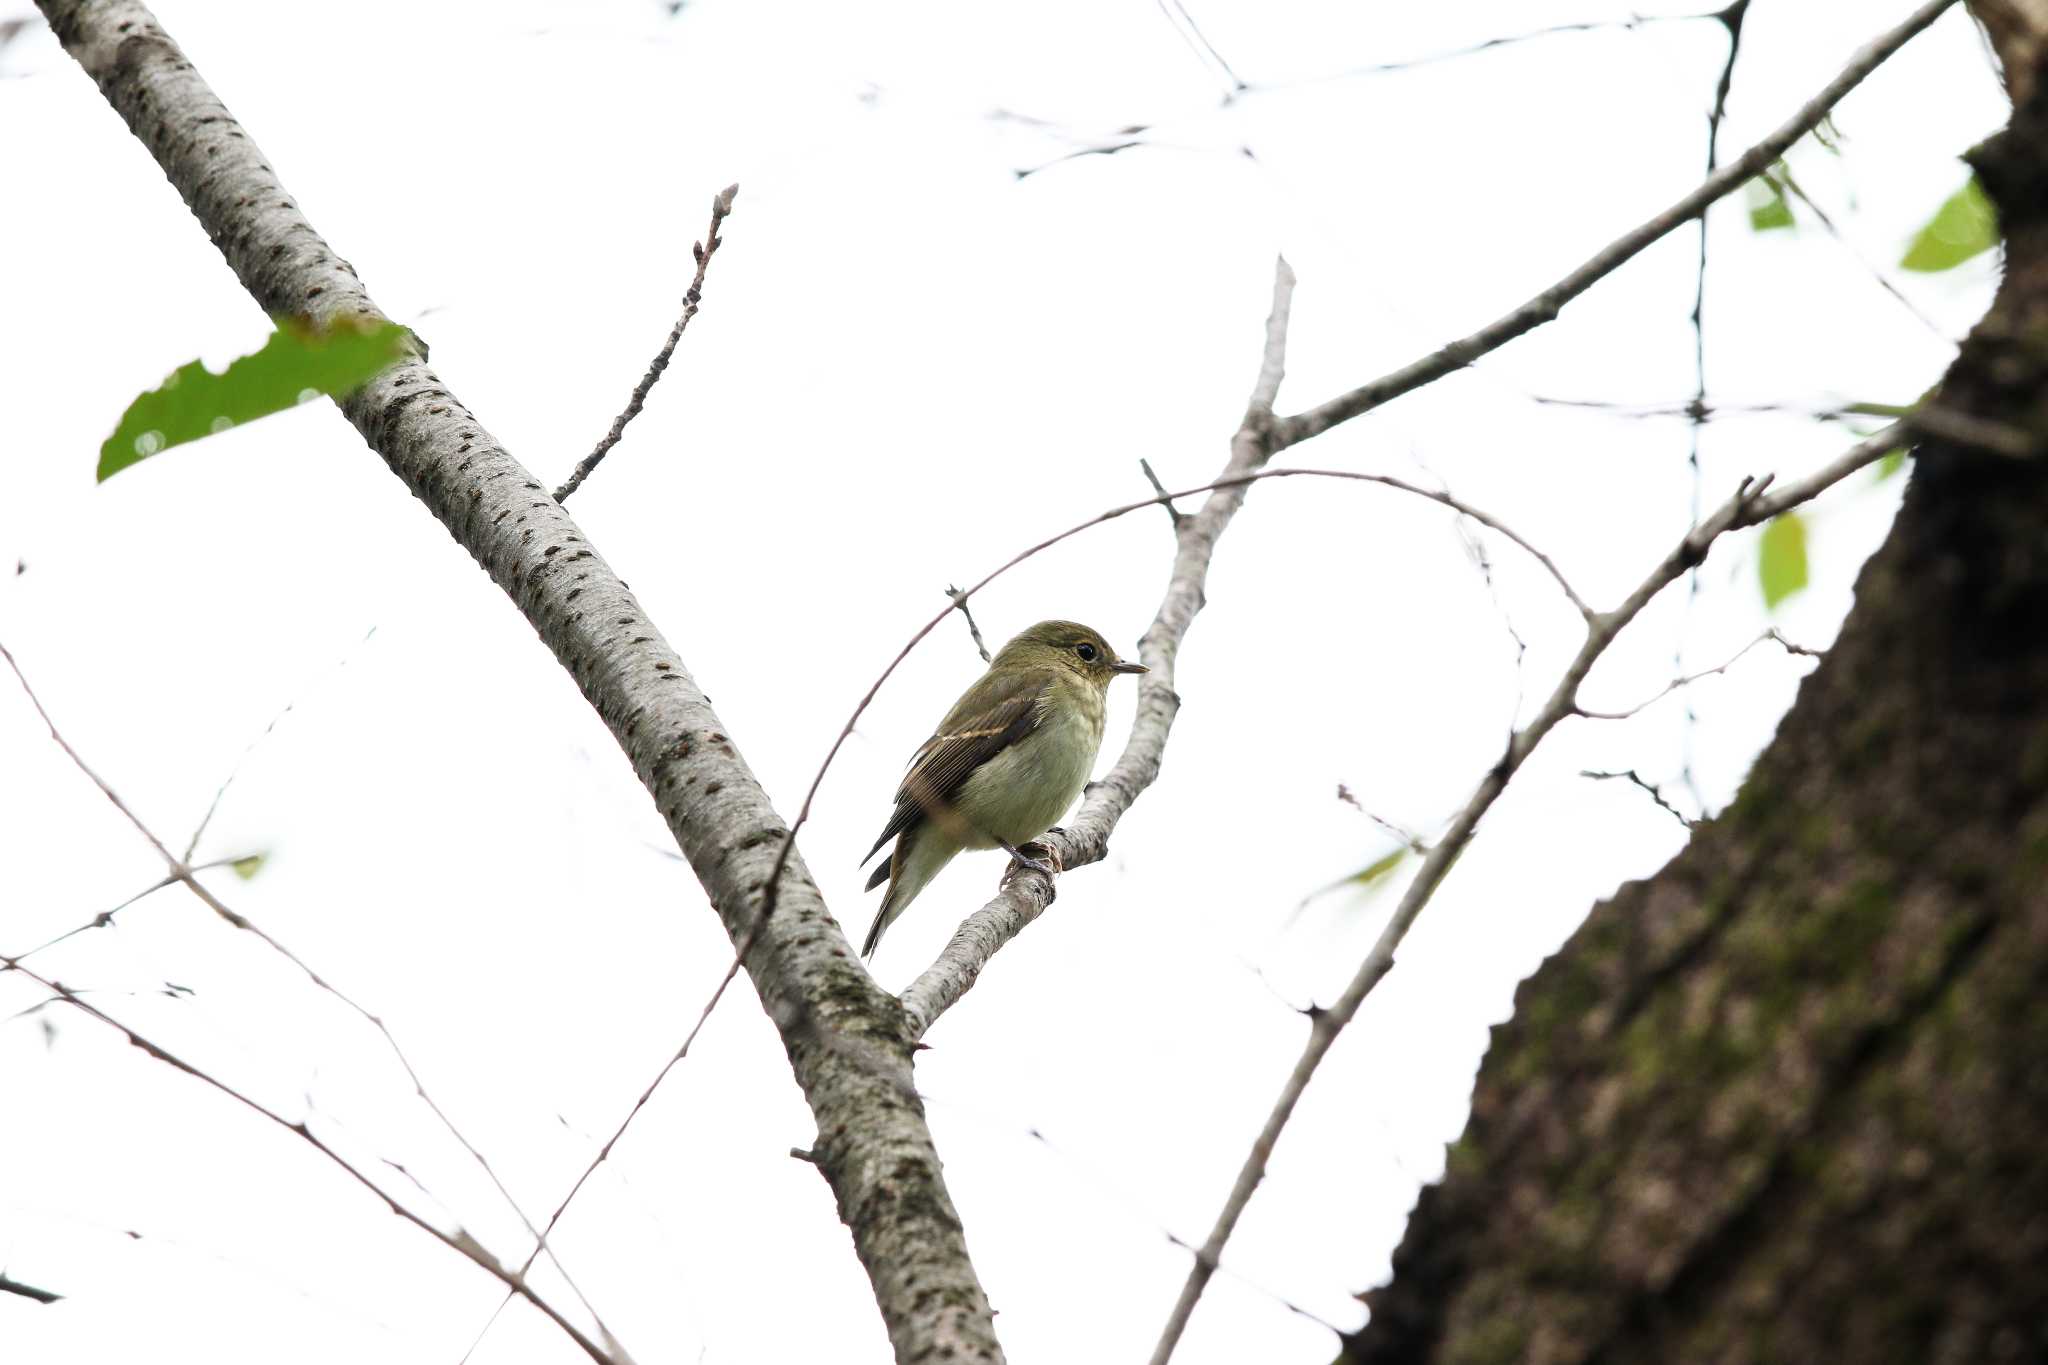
<point>1006,762</point>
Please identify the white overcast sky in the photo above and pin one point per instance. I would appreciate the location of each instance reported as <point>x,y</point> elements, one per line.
<point>910,364</point>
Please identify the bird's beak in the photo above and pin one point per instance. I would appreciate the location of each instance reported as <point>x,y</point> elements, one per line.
<point>1126,666</point>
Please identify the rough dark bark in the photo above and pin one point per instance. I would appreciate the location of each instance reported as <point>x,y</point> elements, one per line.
<point>1786,1100</point>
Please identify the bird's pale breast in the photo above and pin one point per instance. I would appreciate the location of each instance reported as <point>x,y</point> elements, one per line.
<point>1022,791</point>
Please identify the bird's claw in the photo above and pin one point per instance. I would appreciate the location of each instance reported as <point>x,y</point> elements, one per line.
<point>1036,856</point>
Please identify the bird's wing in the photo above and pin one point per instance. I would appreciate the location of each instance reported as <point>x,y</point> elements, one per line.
<point>968,737</point>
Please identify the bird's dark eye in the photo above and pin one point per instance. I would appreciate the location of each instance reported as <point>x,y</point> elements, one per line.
<point>1086,651</point>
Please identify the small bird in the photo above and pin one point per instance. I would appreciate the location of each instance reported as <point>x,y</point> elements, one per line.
<point>1007,760</point>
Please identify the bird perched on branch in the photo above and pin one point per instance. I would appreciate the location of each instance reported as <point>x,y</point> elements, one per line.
<point>1007,761</point>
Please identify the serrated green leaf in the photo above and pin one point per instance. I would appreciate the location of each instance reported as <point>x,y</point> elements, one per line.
<point>247,868</point>
<point>1768,211</point>
<point>1781,558</point>
<point>297,363</point>
<point>1964,226</point>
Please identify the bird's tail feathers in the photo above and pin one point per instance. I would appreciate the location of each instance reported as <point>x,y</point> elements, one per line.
<point>912,864</point>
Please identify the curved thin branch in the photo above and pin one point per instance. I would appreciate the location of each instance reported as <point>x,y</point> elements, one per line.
<point>1749,505</point>
<point>1544,307</point>
<point>458,1241</point>
<point>1687,680</point>
<point>184,874</point>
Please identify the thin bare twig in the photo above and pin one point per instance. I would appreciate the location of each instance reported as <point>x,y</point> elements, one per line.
<point>1475,49</point>
<point>1414,842</point>
<point>1782,173</point>
<point>181,872</point>
<point>959,599</point>
<point>1751,504</point>
<point>638,1104</point>
<point>458,1241</point>
<point>1689,679</point>
<point>106,917</point>
<point>1545,306</point>
<point>1197,41</point>
<point>1731,20</point>
<point>220,792</point>
<point>1655,793</point>
<point>721,205</point>
<point>8,1284</point>
<point>1173,514</point>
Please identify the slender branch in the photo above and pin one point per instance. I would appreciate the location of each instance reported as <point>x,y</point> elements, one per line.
<point>8,1284</point>
<point>1655,792</point>
<point>605,1151</point>
<point>1696,411</point>
<point>1634,21</point>
<point>1172,512</point>
<point>105,918</point>
<point>1545,306</point>
<point>1782,173</point>
<point>458,1241</point>
<point>220,792</point>
<point>1749,505</point>
<point>1197,41</point>
<point>1689,679</point>
<point>721,205</point>
<point>1865,452</point>
<point>1401,834</point>
<point>959,599</point>
<point>180,872</point>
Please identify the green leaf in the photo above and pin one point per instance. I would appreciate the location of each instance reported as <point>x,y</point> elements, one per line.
<point>1890,463</point>
<point>1768,210</point>
<point>1367,878</point>
<point>1375,870</point>
<point>298,363</point>
<point>247,868</point>
<point>1781,558</point>
<point>1964,226</point>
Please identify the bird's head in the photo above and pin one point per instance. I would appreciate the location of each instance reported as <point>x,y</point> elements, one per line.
<point>1069,647</point>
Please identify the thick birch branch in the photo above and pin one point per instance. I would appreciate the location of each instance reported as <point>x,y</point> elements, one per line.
<point>847,1041</point>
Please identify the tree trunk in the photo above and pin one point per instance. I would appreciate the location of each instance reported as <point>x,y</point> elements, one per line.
<point>1787,1099</point>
